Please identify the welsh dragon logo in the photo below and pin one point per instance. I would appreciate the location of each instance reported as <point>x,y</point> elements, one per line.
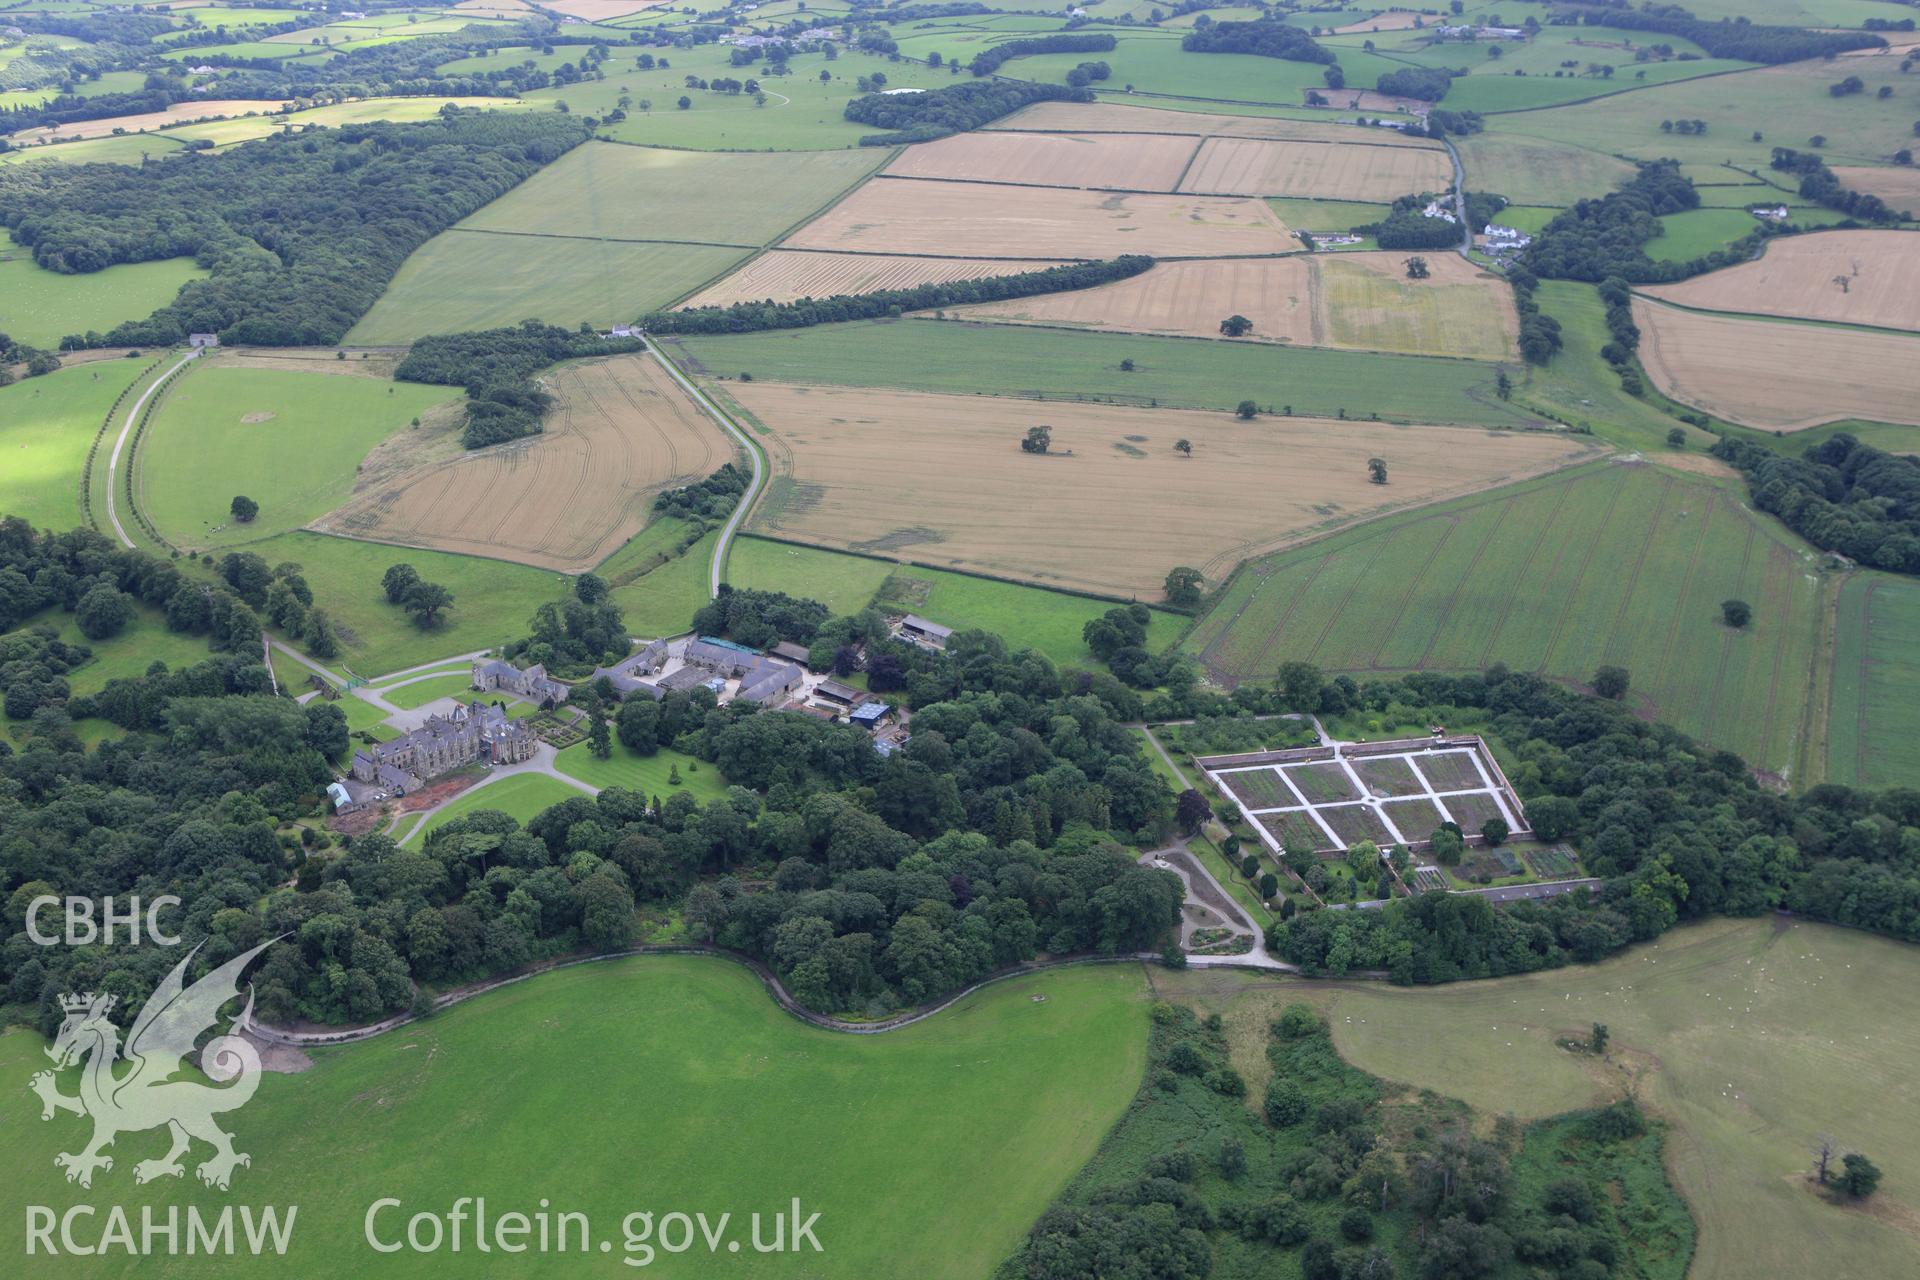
<point>147,1097</point>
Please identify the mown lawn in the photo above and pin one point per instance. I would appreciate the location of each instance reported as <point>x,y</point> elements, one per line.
<point>927,1152</point>
<point>645,774</point>
<point>523,797</point>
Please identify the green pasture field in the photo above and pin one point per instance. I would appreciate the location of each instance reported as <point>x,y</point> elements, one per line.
<point>1605,564</point>
<point>1873,740</point>
<point>662,602</point>
<point>482,280</point>
<point>680,1073</point>
<point>1494,88</point>
<point>522,797</point>
<point>199,450</point>
<point>418,693</point>
<point>47,424</point>
<point>644,774</point>
<point>514,56</point>
<point>802,112</point>
<point>108,82</point>
<point>250,49</point>
<point>1685,236</point>
<point>492,599</point>
<point>1734,1032</point>
<point>143,641</point>
<point>245,128</point>
<point>1023,360</point>
<point>1796,13</point>
<point>1527,218</point>
<point>40,307</point>
<point>1537,171</point>
<point>129,149</point>
<point>213,17</point>
<point>1328,215</point>
<point>1582,389</point>
<point>640,553</point>
<point>1786,105</point>
<point>1027,617</point>
<point>615,192</point>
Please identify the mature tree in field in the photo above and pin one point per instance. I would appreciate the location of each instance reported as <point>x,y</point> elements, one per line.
<point>600,738</point>
<point>398,581</point>
<point>640,725</point>
<point>1377,470</point>
<point>1859,1176</point>
<point>1417,268</point>
<point>1235,325</point>
<point>1503,385</point>
<point>243,509</point>
<point>1824,1149</point>
<point>1611,682</point>
<point>103,612</point>
<point>1447,845</point>
<point>1190,810</point>
<point>1736,613</point>
<point>1037,440</point>
<point>1183,586</point>
<point>319,636</point>
<point>1126,365</point>
<point>424,601</point>
<point>1676,439</point>
<point>1299,686</point>
<point>1496,831</point>
<point>1247,410</point>
<point>685,102</point>
<point>1597,1039</point>
<point>1184,445</point>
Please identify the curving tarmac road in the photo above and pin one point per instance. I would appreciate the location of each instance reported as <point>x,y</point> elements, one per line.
<point>120,442</point>
<point>714,411</point>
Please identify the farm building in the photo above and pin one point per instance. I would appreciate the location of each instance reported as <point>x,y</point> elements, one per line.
<point>843,695</point>
<point>869,715</point>
<point>625,675</point>
<point>928,635</point>
<point>791,652</point>
<point>490,674</point>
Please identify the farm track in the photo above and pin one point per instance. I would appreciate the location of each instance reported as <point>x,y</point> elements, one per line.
<point>1866,674</point>
<point>1780,567</point>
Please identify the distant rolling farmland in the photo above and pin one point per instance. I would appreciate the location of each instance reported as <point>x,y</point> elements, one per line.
<point>1615,563</point>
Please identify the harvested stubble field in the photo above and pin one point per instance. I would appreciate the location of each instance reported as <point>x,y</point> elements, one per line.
<point>1115,161</point>
<point>943,479</point>
<point>1347,171</point>
<point>1899,187</point>
<point>784,275</point>
<point>1100,117</point>
<point>1775,374</point>
<point>1358,301</point>
<point>1614,563</point>
<point>217,109</point>
<point>621,431</point>
<point>1853,277</point>
<point>907,215</point>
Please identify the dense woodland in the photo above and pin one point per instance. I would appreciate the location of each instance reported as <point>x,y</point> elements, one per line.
<point>1820,185</point>
<point>1429,84</point>
<point>954,108</point>
<point>496,366</point>
<point>748,317</point>
<point>301,233</point>
<point>991,58</point>
<point>1747,41</point>
<point>1840,495</point>
<point>1264,38</point>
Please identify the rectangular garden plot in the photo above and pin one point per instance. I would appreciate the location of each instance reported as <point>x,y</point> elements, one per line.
<point>1388,776</point>
<point>1473,811</point>
<point>1416,818</point>
<point>1555,862</point>
<point>1451,770</point>
<point>1259,789</point>
<point>1356,822</point>
<point>1322,783</point>
<point>1296,830</point>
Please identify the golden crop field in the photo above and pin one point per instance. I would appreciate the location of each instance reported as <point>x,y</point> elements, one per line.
<point>621,430</point>
<point>1253,167</point>
<point>1101,117</point>
<point>942,480</point>
<point>907,215</point>
<point>1898,187</point>
<point>1777,375</point>
<point>786,274</point>
<point>216,109</point>
<point>1115,161</point>
<point>1361,301</point>
<point>1857,277</point>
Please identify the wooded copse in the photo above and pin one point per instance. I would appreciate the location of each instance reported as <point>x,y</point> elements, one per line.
<point>748,317</point>
<point>990,59</point>
<point>1263,38</point>
<point>1840,495</point>
<point>496,366</point>
<point>301,233</point>
<point>954,108</point>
